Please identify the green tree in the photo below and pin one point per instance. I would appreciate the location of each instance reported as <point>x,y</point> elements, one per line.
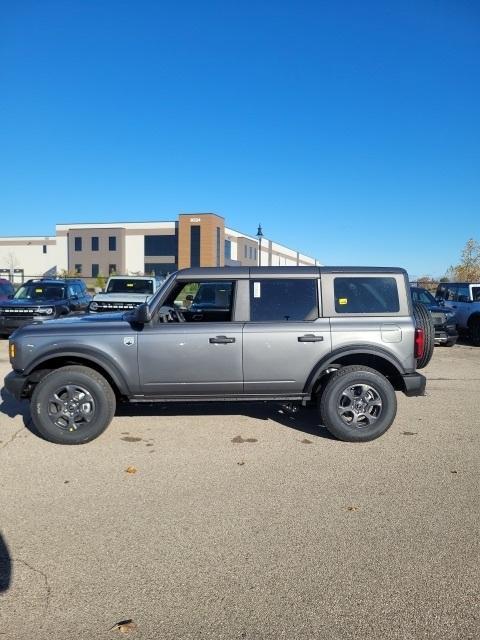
<point>468,270</point>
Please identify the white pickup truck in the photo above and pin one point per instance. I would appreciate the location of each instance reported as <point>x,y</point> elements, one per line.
<point>124,293</point>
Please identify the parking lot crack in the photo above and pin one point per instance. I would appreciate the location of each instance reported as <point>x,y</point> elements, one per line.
<point>11,439</point>
<point>48,590</point>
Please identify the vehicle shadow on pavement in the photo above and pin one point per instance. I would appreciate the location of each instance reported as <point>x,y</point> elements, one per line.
<point>13,408</point>
<point>5,566</point>
<point>304,420</point>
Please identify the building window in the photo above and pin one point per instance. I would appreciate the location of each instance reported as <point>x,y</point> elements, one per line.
<point>161,245</point>
<point>112,268</point>
<point>95,270</point>
<point>218,245</point>
<point>245,249</point>
<point>283,300</point>
<point>195,245</point>
<point>78,244</point>
<point>255,253</point>
<point>78,268</point>
<point>44,248</point>
<point>112,243</point>
<point>95,243</point>
<point>228,249</point>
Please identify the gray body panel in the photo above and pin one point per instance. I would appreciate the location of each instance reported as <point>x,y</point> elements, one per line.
<point>274,360</point>
<point>179,359</point>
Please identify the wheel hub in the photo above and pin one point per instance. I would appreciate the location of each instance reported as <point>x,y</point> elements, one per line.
<point>359,405</point>
<point>70,407</point>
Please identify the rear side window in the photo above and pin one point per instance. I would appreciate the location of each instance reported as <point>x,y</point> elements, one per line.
<point>366,295</point>
<point>283,300</point>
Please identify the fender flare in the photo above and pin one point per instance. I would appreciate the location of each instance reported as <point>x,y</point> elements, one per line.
<point>105,363</point>
<point>359,349</point>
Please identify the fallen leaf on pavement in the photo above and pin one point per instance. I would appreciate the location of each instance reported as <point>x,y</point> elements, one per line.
<point>352,507</point>
<point>124,626</point>
<point>131,469</point>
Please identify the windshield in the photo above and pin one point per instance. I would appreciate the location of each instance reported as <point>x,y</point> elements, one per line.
<point>40,292</point>
<point>423,296</point>
<point>130,286</point>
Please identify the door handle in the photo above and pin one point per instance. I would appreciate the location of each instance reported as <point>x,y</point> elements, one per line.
<point>454,306</point>
<point>310,337</point>
<point>221,340</point>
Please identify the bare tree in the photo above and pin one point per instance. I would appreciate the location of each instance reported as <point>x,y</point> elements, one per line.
<point>468,270</point>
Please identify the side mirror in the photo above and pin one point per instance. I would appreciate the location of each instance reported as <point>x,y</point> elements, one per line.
<point>440,301</point>
<point>74,297</point>
<point>189,297</point>
<point>141,314</point>
<point>10,296</point>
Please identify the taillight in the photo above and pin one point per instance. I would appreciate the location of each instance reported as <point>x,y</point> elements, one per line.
<point>419,342</point>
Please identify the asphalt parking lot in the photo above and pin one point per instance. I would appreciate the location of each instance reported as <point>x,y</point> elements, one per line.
<point>244,522</point>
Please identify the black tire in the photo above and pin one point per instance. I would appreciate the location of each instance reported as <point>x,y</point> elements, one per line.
<point>84,392</point>
<point>423,320</point>
<point>367,422</point>
<point>474,330</point>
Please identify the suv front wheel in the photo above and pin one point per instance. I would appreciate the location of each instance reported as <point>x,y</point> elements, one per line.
<point>358,404</point>
<point>72,405</point>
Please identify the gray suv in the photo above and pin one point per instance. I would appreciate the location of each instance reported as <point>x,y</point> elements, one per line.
<point>343,337</point>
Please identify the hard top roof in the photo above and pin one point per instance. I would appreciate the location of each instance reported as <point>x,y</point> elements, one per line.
<point>283,272</point>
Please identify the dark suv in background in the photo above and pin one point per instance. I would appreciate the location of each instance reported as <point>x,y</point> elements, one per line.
<point>443,318</point>
<point>43,299</point>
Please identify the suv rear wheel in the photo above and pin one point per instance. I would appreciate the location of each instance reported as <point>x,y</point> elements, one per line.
<point>72,405</point>
<point>358,404</point>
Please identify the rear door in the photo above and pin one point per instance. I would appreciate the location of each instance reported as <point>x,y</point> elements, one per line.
<point>285,336</point>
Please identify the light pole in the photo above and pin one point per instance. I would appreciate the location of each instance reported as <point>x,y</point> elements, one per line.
<point>259,236</point>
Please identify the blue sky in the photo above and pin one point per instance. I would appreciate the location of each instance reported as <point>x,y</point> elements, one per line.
<point>350,130</point>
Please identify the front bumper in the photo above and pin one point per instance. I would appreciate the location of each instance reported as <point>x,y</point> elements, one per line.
<point>414,384</point>
<point>15,384</point>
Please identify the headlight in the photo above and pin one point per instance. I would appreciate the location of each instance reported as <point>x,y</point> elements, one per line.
<point>93,306</point>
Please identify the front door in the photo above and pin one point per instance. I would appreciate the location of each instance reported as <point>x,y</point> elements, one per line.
<point>192,358</point>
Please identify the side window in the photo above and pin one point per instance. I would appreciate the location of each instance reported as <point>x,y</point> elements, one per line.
<point>463,293</point>
<point>285,300</point>
<point>366,295</point>
<point>207,301</point>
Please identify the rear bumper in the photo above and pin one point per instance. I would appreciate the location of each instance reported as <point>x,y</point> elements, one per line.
<point>15,383</point>
<point>414,384</point>
<point>447,334</point>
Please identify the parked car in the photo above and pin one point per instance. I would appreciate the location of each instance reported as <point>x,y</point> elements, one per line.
<point>124,293</point>
<point>443,318</point>
<point>43,299</point>
<point>345,338</point>
<point>464,299</point>
<point>6,289</point>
